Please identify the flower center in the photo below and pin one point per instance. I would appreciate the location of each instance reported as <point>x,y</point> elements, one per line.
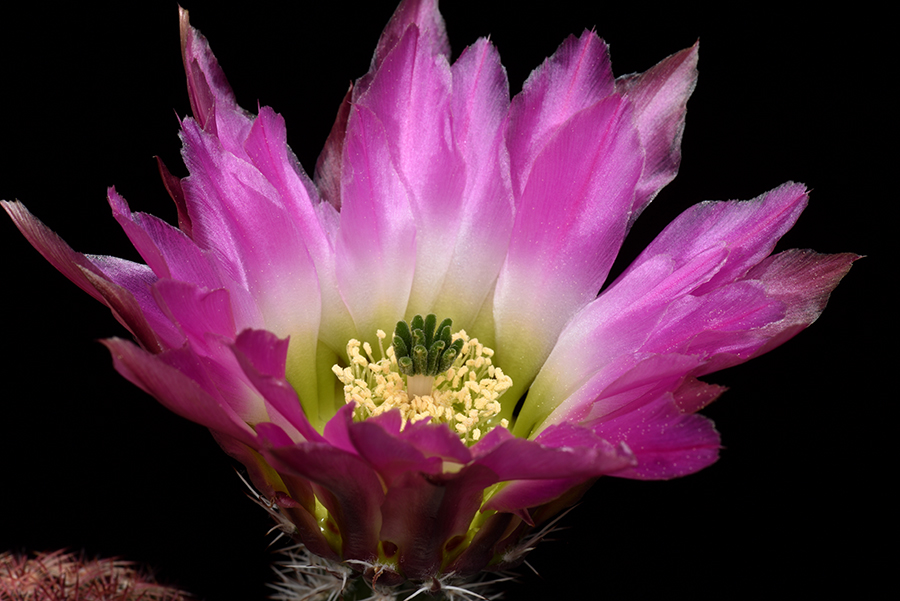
<point>427,373</point>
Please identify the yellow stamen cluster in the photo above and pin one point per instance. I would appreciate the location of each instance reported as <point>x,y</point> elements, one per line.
<point>465,396</point>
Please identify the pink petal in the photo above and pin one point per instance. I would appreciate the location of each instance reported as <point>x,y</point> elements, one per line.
<point>300,506</point>
<point>564,451</point>
<point>485,545</point>
<point>483,220</point>
<point>659,98</point>
<point>693,395</point>
<point>238,212</point>
<point>570,223</point>
<point>424,16</point>
<point>803,281</point>
<point>168,251</point>
<point>376,246</point>
<point>562,457</point>
<point>577,76</point>
<point>520,495</point>
<point>121,285</point>
<point>171,254</point>
<point>410,94</point>
<point>212,100</point>
<point>264,478</point>
<point>748,229</point>
<point>329,166</point>
<point>267,149</point>
<point>150,328</point>
<point>625,385</point>
<point>730,320</point>
<point>337,430</point>
<point>127,287</point>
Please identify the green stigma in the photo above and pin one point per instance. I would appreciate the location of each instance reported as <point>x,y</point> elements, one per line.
<point>422,349</point>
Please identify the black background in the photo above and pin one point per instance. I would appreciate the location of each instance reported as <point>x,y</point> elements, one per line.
<point>90,93</point>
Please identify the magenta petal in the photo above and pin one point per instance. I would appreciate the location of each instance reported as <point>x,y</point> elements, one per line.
<point>693,395</point>
<point>616,325</point>
<point>264,478</point>
<point>337,430</point>
<point>709,246</point>
<point>730,320</point>
<point>262,357</point>
<point>519,495</point>
<point>148,327</point>
<point>666,442</point>
<point>411,512</point>
<point>437,440</point>
<point>425,516</point>
<point>179,393</point>
<point>564,451</point>
<point>390,456</point>
<point>121,285</point>
<point>410,95</point>
<point>659,97</point>
<point>299,506</point>
<point>53,248</point>
<point>561,458</point>
<point>167,251</point>
<point>300,490</point>
<point>625,385</point>
<point>171,254</point>
<point>235,210</point>
<point>490,441</point>
<point>267,149</point>
<point>137,280</point>
<point>354,493</point>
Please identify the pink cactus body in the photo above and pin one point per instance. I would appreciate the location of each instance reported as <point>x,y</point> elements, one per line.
<point>438,194</point>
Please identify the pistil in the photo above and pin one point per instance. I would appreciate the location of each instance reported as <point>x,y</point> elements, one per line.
<point>419,385</point>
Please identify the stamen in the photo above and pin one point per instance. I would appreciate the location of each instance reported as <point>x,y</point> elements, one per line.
<point>464,394</point>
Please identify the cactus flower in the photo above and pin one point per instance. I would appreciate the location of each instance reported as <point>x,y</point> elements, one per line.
<point>408,351</point>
